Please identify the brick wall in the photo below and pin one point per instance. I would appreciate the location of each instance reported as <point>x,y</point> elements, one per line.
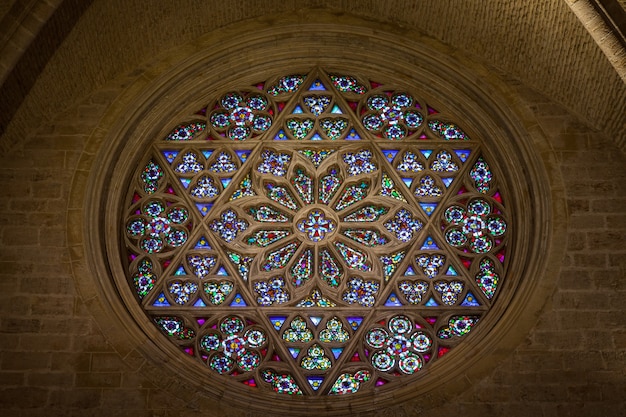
<point>55,359</point>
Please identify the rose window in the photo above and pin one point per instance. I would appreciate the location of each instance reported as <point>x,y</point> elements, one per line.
<point>317,234</point>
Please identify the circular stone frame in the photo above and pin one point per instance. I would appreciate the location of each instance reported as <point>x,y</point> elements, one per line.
<point>184,80</point>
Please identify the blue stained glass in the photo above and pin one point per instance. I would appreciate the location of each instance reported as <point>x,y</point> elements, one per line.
<point>225,182</point>
<point>353,135</point>
<point>429,243</point>
<point>428,208</point>
<point>204,208</point>
<point>315,320</point>
<point>426,152</point>
<point>470,301</point>
<point>161,301</point>
<point>315,382</point>
<point>354,322</point>
<point>336,352</point>
<point>170,155</point>
<point>281,135</point>
<point>317,85</point>
<point>393,301</point>
<point>390,154</point>
<point>463,154</point>
<point>297,110</point>
<point>277,321</point>
<point>238,301</point>
<point>431,303</point>
<point>185,182</point>
<point>243,154</point>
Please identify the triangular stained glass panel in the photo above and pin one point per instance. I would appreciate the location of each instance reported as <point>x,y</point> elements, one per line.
<point>170,155</point>
<point>447,181</point>
<point>336,110</point>
<point>225,182</point>
<point>316,136</point>
<point>336,352</point>
<point>451,271</point>
<point>429,244</point>
<point>428,208</point>
<point>315,320</point>
<point>207,153</point>
<point>407,181</point>
<point>202,243</point>
<point>199,303</point>
<point>281,135</point>
<point>277,321</point>
<point>431,303</point>
<point>222,272</point>
<point>315,382</point>
<point>297,110</point>
<point>243,154</point>
<point>390,154</point>
<point>353,135</point>
<point>185,182</point>
<point>238,301</point>
<point>393,301</point>
<point>354,322</point>
<point>204,208</point>
<point>463,154</point>
<point>294,352</point>
<point>409,271</point>
<point>161,301</point>
<point>180,271</point>
<point>470,301</point>
<point>317,85</point>
<point>426,152</point>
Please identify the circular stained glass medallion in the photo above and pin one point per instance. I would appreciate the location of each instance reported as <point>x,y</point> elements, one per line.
<point>316,234</point>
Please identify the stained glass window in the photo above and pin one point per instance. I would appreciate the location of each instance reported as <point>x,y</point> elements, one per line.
<point>316,234</point>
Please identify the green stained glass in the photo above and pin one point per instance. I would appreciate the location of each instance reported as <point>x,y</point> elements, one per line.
<point>316,156</point>
<point>300,129</point>
<point>352,194</point>
<point>265,238</point>
<point>316,359</point>
<point>388,188</point>
<point>333,128</point>
<point>330,271</point>
<point>302,269</point>
<point>304,185</point>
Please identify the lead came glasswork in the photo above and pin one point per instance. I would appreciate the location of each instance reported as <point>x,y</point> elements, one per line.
<point>348,205</point>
